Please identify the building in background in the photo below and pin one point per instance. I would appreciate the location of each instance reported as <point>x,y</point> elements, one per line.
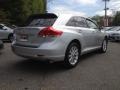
<point>101,20</point>
<point>107,22</point>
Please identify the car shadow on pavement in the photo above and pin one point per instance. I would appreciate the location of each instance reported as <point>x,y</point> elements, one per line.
<point>89,55</point>
<point>37,66</point>
<point>6,41</point>
<point>114,41</point>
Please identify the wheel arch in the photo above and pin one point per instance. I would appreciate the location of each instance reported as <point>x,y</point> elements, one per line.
<point>9,35</point>
<point>75,41</point>
<point>66,61</point>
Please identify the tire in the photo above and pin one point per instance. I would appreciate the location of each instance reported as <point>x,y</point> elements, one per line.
<point>103,48</point>
<point>72,55</point>
<point>10,37</point>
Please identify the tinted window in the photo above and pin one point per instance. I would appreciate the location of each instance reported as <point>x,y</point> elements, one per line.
<point>42,22</point>
<point>71,22</point>
<point>92,25</point>
<point>77,22</point>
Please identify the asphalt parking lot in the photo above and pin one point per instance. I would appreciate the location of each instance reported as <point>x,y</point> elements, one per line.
<point>94,72</point>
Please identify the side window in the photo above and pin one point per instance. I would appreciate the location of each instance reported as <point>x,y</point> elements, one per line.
<point>77,22</point>
<point>92,25</point>
<point>71,22</point>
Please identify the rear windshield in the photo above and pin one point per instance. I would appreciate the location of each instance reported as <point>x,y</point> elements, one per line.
<point>41,20</point>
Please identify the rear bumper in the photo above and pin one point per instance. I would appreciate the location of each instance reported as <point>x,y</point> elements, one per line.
<point>37,53</point>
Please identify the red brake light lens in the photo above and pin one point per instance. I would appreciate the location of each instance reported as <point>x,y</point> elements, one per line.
<point>50,31</point>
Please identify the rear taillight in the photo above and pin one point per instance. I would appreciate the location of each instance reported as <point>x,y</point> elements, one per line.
<point>49,31</point>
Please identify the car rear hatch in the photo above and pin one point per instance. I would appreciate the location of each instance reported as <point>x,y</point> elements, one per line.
<point>28,36</point>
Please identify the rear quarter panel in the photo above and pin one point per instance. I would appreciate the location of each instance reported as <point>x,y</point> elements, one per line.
<point>68,36</point>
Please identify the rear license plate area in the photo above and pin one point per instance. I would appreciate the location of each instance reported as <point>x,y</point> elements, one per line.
<point>24,37</point>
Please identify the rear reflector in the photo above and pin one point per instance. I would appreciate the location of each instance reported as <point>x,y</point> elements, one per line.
<point>49,31</point>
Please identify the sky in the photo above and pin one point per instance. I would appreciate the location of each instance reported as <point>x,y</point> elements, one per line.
<point>83,7</point>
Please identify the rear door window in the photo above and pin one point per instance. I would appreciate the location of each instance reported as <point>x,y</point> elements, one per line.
<point>77,22</point>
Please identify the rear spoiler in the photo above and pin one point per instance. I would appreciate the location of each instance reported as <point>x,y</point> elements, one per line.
<point>47,15</point>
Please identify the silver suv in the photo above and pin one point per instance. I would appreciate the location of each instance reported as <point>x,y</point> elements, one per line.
<point>64,37</point>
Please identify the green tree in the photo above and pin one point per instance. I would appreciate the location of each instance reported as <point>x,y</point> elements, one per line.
<point>98,19</point>
<point>116,20</point>
<point>19,10</point>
